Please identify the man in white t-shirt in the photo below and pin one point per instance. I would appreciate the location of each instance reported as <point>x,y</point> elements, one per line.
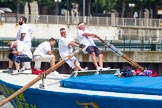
<point>25,31</point>
<point>21,53</point>
<point>85,37</point>
<point>66,45</point>
<point>25,34</point>
<point>44,53</point>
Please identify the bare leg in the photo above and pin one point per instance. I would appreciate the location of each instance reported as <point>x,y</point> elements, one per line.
<point>76,69</point>
<point>52,62</point>
<point>100,57</point>
<point>10,63</point>
<point>23,64</point>
<point>17,66</point>
<point>93,56</point>
<point>77,66</point>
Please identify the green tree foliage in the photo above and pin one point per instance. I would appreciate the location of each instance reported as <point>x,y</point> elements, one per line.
<point>12,4</point>
<point>96,6</point>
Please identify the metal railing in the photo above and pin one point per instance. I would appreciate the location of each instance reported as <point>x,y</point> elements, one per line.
<point>102,21</point>
<point>138,28</point>
<point>123,45</point>
<point>133,45</point>
<point>90,20</point>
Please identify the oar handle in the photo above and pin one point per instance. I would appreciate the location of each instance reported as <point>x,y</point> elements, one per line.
<point>103,41</point>
<point>119,53</point>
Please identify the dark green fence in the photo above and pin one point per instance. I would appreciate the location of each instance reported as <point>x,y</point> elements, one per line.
<point>124,45</point>
<point>35,43</point>
<point>133,45</point>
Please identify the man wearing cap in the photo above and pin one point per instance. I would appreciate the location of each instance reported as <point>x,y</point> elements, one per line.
<point>44,53</point>
<point>66,45</point>
<point>21,53</point>
<point>86,37</point>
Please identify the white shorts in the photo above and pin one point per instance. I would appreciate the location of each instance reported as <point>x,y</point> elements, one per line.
<point>38,59</point>
<point>44,58</point>
<point>70,62</point>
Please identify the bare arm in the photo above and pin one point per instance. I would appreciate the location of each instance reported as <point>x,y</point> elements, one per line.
<point>73,43</point>
<point>90,34</point>
<point>16,52</point>
<point>49,52</point>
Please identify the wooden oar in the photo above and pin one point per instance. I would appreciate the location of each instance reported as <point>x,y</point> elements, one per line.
<point>119,53</point>
<point>39,78</point>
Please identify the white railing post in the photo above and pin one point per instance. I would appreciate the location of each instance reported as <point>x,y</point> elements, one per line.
<point>47,19</point>
<point>107,23</point>
<point>123,21</point>
<point>88,20</point>
<point>159,22</point>
<point>135,21</point>
<point>68,20</point>
<point>116,23</point>
<point>57,19</point>
<point>97,21</point>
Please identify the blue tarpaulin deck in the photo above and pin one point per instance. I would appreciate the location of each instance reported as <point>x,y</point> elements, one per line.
<point>60,97</point>
<point>111,83</point>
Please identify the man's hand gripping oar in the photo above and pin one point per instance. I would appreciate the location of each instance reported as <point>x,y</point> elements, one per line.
<point>119,53</point>
<point>39,78</point>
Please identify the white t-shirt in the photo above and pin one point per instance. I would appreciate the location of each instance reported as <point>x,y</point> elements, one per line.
<point>64,48</point>
<point>22,47</point>
<point>87,41</point>
<point>42,49</point>
<point>25,29</point>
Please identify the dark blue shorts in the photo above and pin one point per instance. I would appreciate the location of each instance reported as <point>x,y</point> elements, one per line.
<point>91,49</point>
<point>10,56</point>
<point>19,58</point>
